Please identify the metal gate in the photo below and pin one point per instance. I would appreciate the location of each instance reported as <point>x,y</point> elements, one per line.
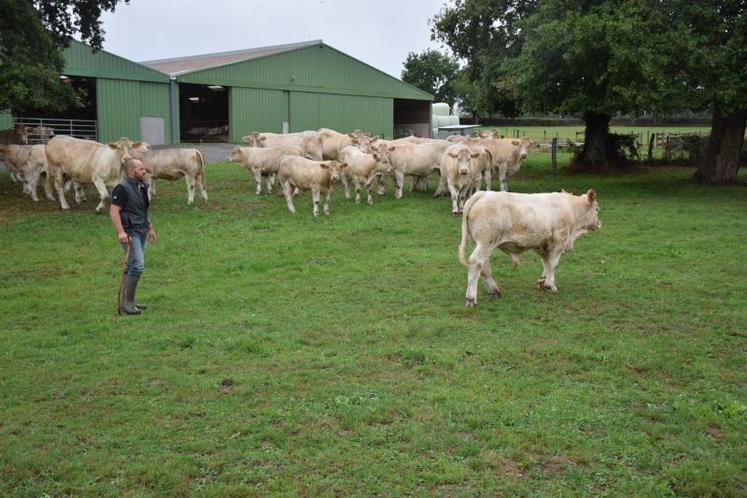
<point>45,128</point>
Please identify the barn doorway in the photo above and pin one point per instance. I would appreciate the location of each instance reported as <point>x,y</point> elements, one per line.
<point>78,120</point>
<point>203,113</point>
<point>412,117</point>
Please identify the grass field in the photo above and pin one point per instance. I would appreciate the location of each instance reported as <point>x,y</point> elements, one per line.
<point>286,356</point>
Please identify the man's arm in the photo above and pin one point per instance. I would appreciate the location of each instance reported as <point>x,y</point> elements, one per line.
<point>117,222</point>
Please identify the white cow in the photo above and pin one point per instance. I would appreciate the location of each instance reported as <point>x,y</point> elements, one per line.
<point>545,223</point>
<point>301,173</point>
<point>310,142</point>
<point>262,162</point>
<point>462,169</point>
<point>86,161</point>
<point>507,156</point>
<point>364,168</point>
<point>27,163</point>
<point>418,160</point>
<point>172,164</point>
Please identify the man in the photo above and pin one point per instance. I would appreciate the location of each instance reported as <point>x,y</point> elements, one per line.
<point>129,215</point>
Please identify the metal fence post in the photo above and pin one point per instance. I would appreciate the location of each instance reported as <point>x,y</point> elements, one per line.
<point>554,155</point>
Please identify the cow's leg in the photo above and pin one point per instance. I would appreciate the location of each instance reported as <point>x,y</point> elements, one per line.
<point>48,187</point>
<point>31,181</point>
<point>381,184</point>
<point>200,182</point>
<point>487,177</point>
<point>345,185</point>
<point>399,181</point>
<point>59,185</point>
<point>454,197</point>
<point>487,276</point>
<point>476,260</point>
<point>257,180</point>
<point>269,180</point>
<point>103,193</point>
<point>369,197</point>
<point>80,192</point>
<point>357,187</point>
<point>550,262</point>
<point>327,195</point>
<point>190,189</point>
<point>288,193</point>
<point>441,189</point>
<point>315,200</point>
<point>152,189</point>
<point>503,179</point>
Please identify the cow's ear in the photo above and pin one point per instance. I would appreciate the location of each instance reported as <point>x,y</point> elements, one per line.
<point>391,147</point>
<point>113,146</point>
<point>375,155</point>
<point>591,196</point>
<point>135,145</point>
<point>374,138</point>
<point>324,165</point>
<point>515,142</point>
<point>451,154</point>
<point>343,165</point>
<point>474,156</point>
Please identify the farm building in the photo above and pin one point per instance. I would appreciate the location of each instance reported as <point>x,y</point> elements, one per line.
<point>224,96</point>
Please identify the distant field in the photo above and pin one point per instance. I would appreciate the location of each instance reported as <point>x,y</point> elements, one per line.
<point>286,356</point>
<point>573,132</point>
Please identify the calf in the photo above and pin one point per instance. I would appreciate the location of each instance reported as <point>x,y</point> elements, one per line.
<point>18,135</point>
<point>262,162</point>
<point>302,173</point>
<point>418,160</point>
<point>364,168</point>
<point>545,223</point>
<point>462,168</point>
<point>507,156</point>
<point>172,164</point>
<point>86,161</point>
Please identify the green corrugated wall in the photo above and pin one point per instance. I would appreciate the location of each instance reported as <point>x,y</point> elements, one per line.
<point>254,109</point>
<point>6,120</point>
<point>344,113</point>
<point>121,103</point>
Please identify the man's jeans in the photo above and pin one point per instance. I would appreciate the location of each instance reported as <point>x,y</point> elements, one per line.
<point>136,261</point>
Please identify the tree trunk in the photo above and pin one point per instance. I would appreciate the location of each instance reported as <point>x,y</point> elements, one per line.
<point>598,153</point>
<point>721,161</point>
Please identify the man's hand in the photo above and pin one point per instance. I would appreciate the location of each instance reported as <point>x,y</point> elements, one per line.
<point>152,237</point>
<point>123,238</point>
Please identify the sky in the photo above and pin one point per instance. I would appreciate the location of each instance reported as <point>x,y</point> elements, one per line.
<point>378,32</point>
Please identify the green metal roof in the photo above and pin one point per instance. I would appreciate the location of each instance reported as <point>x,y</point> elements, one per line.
<point>307,67</point>
<point>81,60</point>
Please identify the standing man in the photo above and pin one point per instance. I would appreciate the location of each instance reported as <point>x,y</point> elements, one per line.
<point>129,215</point>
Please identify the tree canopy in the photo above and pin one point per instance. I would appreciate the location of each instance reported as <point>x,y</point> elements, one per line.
<point>432,72</point>
<point>33,34</point>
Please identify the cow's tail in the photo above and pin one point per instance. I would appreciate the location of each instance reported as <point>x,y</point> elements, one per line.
<point>465,224</point>
<point>200,176</point>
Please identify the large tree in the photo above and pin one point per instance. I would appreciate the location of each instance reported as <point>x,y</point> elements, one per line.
<point>33,34</point>
<point>432,72</point>
<point>710,44</point>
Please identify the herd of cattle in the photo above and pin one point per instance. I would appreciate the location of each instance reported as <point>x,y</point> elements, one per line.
<point>313,160</point>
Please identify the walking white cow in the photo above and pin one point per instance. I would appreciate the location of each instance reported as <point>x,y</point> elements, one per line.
<point>27,163</point>
<point>172,164</point>
<point>545,223</point>
<point>86,161</point>
<point>310,142</point>
<point>364,168</point>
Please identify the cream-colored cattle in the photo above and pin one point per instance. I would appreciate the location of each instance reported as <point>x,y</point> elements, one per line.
<point>300,173</point>
<point>27,163</point>
<point>545,223</point>
<point>262,162</point>
<point>417,160</point>
<point>507,156</point>
<point>462,169</point>
<point>363,168</point>
<point>18,135</point>
<point>310,142</point>
<point>172,164</point>
<point>86,161</point>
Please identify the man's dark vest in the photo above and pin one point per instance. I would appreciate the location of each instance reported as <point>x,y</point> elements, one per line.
<point>134,213</point>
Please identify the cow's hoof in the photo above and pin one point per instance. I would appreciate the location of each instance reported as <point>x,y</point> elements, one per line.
<point>455,213</point>
<point>494,294</point>
<point>552,289</point>
<point>470,303</point>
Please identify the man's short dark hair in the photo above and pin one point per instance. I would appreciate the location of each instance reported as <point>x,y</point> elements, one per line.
<point>131,163</point>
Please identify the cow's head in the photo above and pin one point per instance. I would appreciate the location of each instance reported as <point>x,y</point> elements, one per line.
<point>589,218</point>
<point>334,167</point>
<point>235,155</point>
<point>123,146</point>
<point>382,166</point>
<point>254,139</point>
<point>463,158</point>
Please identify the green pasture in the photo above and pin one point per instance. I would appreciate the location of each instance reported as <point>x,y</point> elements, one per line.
<point>287,356</point>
